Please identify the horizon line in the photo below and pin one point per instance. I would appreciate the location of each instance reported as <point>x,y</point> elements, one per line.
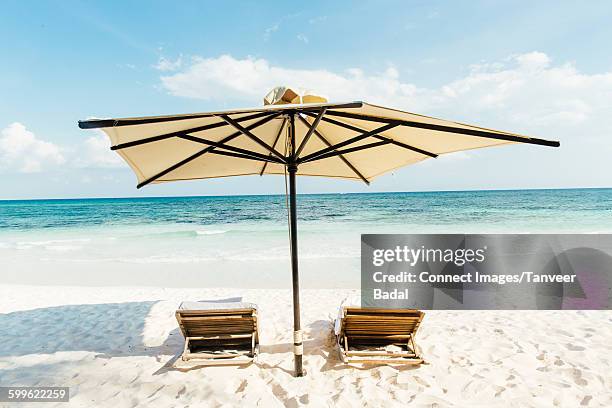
<point>307,194</point>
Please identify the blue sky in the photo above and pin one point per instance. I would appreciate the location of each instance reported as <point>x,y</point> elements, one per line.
<point>541,69</point>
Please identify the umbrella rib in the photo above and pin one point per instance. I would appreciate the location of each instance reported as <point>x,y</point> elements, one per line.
<point>246,156</point>
<point>349,150</point>
<point>344,159</point>
<point>251,136</point>
<point>449,129</point>
<point>394,142</point>
<point>347,142</point>
<point>102,123</point>
<point>280,131</point>
<point>227,147</point>
<point>204,151</point>
<point>180,132</point>
<point>309,133</point>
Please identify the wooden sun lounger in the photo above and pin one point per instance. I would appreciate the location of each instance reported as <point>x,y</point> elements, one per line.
<point>224,336</point>
<point>365,332</point>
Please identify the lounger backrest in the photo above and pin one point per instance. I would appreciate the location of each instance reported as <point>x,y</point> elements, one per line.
<point>381,322</point>
<point>194,323</point>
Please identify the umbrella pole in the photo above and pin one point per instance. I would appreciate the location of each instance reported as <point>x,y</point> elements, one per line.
<point>298,348</point>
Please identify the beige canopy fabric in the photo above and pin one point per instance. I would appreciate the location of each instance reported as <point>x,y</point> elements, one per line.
<point>354,140</point>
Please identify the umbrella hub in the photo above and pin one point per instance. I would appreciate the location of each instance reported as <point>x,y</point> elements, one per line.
<point>283,95</point>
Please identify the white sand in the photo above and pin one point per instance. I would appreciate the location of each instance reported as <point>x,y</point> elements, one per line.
<point>111,346</point>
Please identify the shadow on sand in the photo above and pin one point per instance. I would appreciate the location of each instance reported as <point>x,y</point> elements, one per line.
<point>116,330</point>
<point>323,344</point>
<point>109,329</point>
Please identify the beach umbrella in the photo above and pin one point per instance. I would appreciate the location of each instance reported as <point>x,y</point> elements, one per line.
<point>291,135</point>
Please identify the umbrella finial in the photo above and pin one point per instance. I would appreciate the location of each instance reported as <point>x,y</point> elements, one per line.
<point>282,95</point>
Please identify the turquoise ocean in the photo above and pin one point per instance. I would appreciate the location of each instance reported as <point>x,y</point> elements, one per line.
<point>242,241</point>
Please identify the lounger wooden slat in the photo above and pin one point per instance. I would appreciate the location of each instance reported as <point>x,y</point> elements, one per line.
<point>365,353</point>
<point>219,336</point>
<point>366,334</point>
<point>245,311</point>
<point>189,356</point>
<point>382,336</point>
<point>402,361</point>
<point>224,336</point>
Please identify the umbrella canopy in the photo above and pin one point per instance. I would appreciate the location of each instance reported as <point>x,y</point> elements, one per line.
<point>351,140</point>
<point>354,140</point>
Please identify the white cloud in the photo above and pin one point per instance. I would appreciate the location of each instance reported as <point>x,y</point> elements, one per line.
<point>95,153</point>
<point>126,66</point>
<point>529,90</point>
<point>527,93</point>
<point>302,38</point>
<point>269,30</point>
<point>165,64</point>
<point>526,89</point>
<point>249,79</point>
<point>433,14</point>
<point>317,20</point>
<point>22,151</point>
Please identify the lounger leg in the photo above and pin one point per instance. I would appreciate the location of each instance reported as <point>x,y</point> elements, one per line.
<point>414,346</point>
<point>345,357</point>
<point>185,349</point>
<point>341,351</point>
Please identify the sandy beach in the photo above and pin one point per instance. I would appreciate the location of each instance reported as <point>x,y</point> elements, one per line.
<point>317,193</point>
<point>115,347</point>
